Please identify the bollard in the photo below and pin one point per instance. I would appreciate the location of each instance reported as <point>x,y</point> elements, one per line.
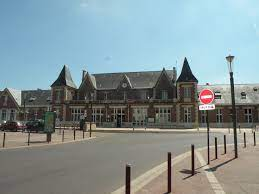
<point>254,140</point>
<point>29,136</point>
<point>63,135</point>
<point>244,139</point>
<point>216,148</point>
<point>83,133</point>
<point>74,133</point>
<point>127,185</point>
<point>225,145</point>
<point>192,160</point>
<point>4,140</point>
<point>169,173</point>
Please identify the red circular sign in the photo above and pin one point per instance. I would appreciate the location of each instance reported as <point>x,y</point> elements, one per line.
<point>206,96</point>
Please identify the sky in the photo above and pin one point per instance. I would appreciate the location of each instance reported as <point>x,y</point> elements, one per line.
<point>38,37</point>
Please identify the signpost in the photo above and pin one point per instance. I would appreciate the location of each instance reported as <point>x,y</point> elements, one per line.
<point>206,97</point>
<point>49,124</point>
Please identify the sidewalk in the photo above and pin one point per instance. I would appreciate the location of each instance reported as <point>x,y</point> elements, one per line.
<point>158,130</point>
<point>224,175</point>
<point>19,139</point>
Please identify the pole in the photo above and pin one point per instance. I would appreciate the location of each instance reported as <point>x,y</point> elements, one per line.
<point>216,148</point>
<point>208,135</point>
<point>127,185</point>
<point>90,131</point>
<point>169,173</point>
<point>74,133</point>
<point>234,119</point>
<point>29,136</point>
<point>244,139</point>
<point>193,170</point>
<point>225,145</point>
<point>4,140</point>
<point>63,135</point>
<point>254,140</point>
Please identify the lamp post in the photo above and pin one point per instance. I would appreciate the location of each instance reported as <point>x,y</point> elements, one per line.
<point>234,118</point>
<point>91,105</point>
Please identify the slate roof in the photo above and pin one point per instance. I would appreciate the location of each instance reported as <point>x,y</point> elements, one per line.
<point>186,74</point>
<point>138,80</point>
<point>251,91</point>
<point>64,79</point>
<point>36,97</point>
<point>16,95</point>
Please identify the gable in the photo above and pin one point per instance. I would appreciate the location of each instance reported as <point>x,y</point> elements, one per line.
<point>164,81</point>
<point>7,100</point>
<point>125,83</point>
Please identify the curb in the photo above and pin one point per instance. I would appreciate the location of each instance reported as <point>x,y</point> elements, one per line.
<point>50,144</point>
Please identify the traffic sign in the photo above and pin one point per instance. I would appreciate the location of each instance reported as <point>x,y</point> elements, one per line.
<point>207,107</point>
<point>206,96</point>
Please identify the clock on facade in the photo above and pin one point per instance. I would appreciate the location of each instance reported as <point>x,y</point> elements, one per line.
<point>124,85</point>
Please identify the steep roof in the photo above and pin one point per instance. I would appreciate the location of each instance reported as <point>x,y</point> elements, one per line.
<point>64,79</point>
<point>16,94</point>
<point>186,74</point>
<point>138,80</point>
<point>36,97</point>
<point>251,91</point>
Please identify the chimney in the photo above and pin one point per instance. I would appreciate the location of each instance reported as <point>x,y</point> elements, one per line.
<point>83,75</point>
<point>174,74</point>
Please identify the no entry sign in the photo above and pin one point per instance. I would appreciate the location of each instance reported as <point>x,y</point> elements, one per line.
<point>206,98</point>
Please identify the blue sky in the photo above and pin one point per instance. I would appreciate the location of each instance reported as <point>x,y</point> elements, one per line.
<point>38,37</point>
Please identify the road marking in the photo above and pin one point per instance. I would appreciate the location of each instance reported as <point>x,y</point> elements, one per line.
<point>147,177</point>
<point>210,176</point>
<point>50,144</point>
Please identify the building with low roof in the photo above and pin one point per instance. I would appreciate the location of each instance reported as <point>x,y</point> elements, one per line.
<point>150,98</point>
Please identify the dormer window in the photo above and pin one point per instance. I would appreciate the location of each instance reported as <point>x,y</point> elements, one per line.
<point>218,95</point>
<point>187,92</point>
<point>32,99</point>
<point>164,95</point>
<point>243,95</point>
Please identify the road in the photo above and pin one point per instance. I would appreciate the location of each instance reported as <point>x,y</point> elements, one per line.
<point>89,167</point>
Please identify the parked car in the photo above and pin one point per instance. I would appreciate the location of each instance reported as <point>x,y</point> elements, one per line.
<point>1,126</point>
<point>12,126</point>
<point>35,125</point>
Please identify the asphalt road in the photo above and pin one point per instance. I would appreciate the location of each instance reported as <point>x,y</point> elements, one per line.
<point>90,167</point>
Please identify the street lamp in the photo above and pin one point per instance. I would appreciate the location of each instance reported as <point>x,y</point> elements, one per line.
<point>230,59</point>
<point>91,103</point>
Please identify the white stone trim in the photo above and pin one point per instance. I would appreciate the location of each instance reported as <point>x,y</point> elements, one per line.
<point>118,106</point>
<point>163,106</point>
<point>140,106</point>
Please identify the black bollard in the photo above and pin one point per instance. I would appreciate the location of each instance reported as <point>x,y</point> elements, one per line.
<point>216,148</point>
<point>4,140</point>
<point>74,133</point>
<point>193,170</point>
<point>83,133</point>
<point>225,145</point>
<point>63,135</point>
<point>244,139</point>
<point>169,173</point>
<point>254,140</point>
<point>128,179</point>
<point>29,136</point>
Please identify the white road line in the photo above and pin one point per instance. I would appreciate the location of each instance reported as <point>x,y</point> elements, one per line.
<point>211,177</point>
<point>147,177</point>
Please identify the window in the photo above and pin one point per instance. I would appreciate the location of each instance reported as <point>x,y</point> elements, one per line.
<point>58,95</point>
<point>106,96</point>
<point>187,92</point>
<point>77,113</point>
<point>243,95</point>
<point>164,95</point>
<point>219,117</point>
<point>12,115</point>
<point>5,100</point>
<point>3,117</point>
<point>187,115</point>
<point>217,95</point>
<point>203,116</point>
<point>139,115</point>
<point>248,115</point>
<point>118,113</point>
<point>97,115</point>
<point>124,95</point>
<point>163,114</point>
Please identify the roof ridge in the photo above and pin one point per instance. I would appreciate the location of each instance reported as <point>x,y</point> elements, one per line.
<point>132,72</point>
